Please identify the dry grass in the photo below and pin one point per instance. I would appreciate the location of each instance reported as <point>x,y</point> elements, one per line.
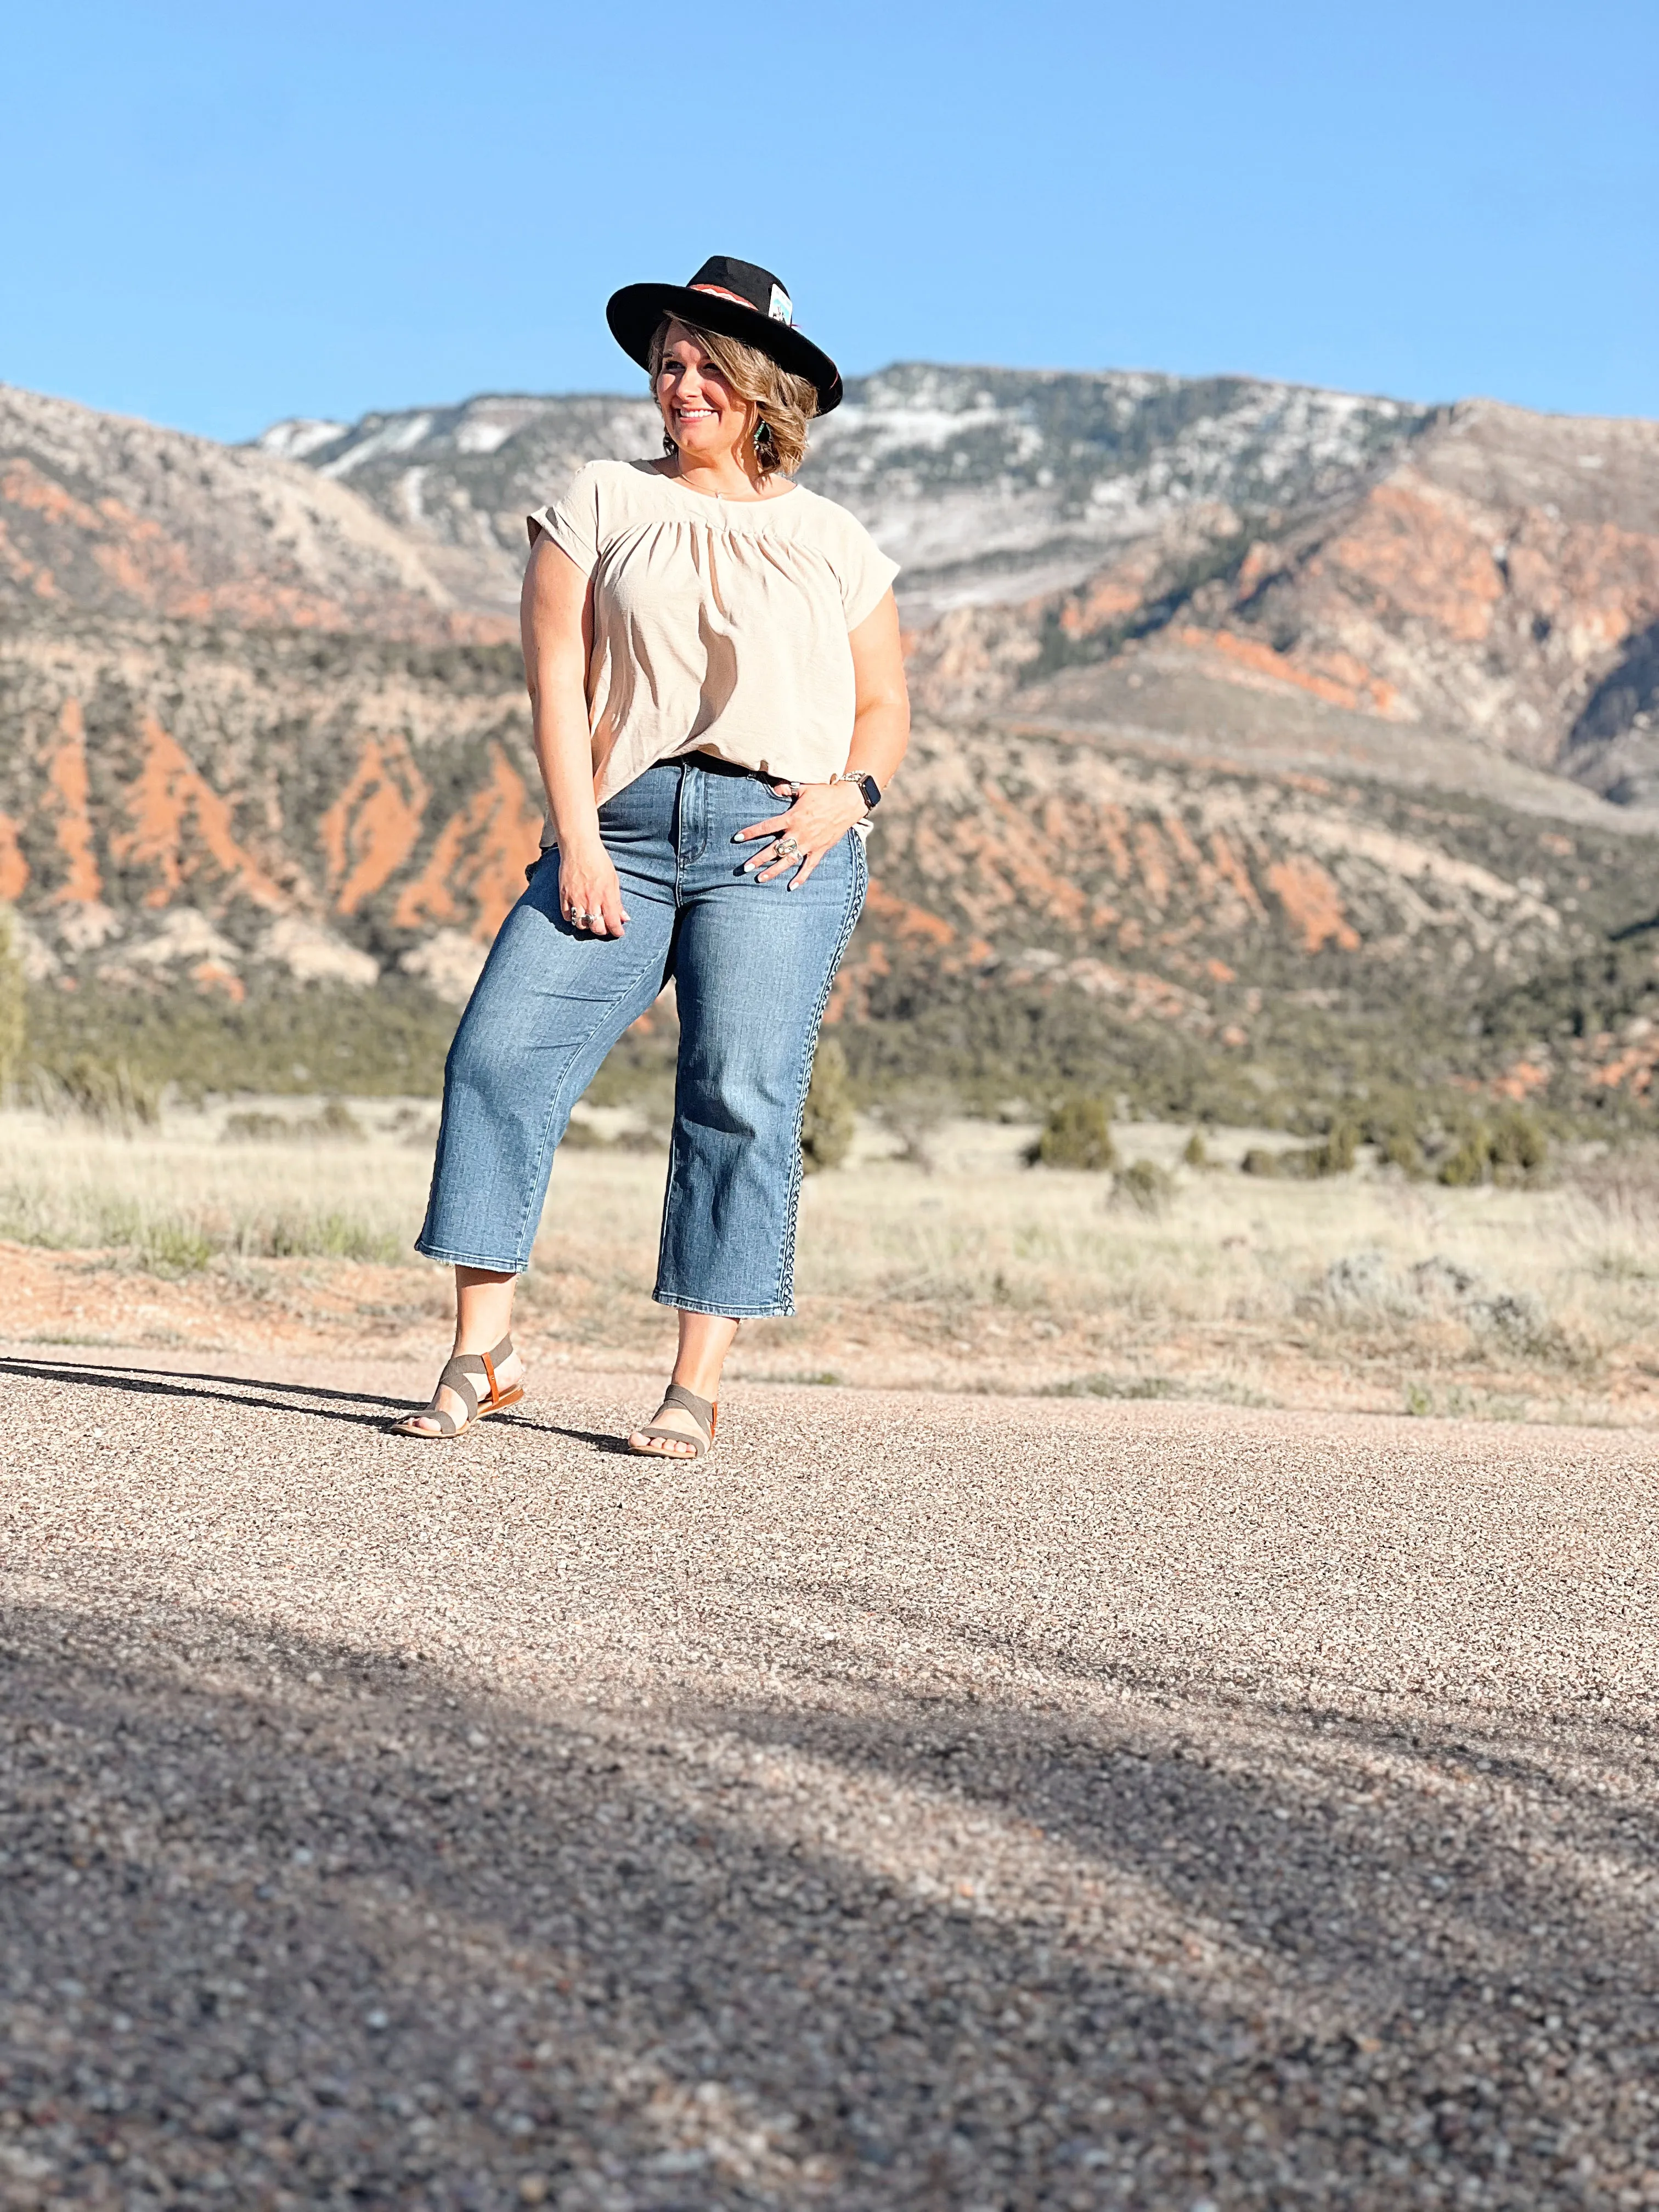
<point>1364,1292</point>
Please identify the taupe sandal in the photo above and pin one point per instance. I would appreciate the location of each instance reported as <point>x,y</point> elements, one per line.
<point>703,1411</point>
<point>457,1376</point>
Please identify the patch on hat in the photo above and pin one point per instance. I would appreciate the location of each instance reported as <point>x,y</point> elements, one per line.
<point>782,308</point>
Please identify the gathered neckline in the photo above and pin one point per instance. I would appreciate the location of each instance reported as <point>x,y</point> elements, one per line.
<point>718,498</point>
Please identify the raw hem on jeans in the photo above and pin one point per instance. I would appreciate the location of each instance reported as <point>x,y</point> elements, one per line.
<point>774,1312</point>
<point>491,1267</point>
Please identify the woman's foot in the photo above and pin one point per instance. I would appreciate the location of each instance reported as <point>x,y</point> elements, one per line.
<point>494,1379</point>
<point>683,1427</point>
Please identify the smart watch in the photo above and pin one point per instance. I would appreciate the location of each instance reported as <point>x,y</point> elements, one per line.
<point>867,784</point>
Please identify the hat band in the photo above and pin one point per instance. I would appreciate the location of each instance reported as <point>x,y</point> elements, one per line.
<point>780,311</point>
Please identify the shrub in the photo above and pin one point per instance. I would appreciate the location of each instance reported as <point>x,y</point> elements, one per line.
<point>115,1098</point>
<point>1510,1149</point>
<point>1398,1147</point>
<point>1334,1155</point>
<point>334,1123</point>
<point>827,1125</point>
<point>915,1113</point>
<point>1195,1154</point>
<point>255,1127</point>
<point>337,1121</point>
<point>1145,1185</point>
<point>1111,1386</point>
<point>1078,1134</point>
<point>1468,1162</point>
<point>1519,1144</point>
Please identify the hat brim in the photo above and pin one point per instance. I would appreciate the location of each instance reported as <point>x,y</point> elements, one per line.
<point>635,313</point>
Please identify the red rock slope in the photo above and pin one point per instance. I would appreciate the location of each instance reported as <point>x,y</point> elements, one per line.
<point>107,514</point>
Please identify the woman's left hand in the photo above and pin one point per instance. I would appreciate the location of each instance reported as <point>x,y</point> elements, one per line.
<point>820,817</point>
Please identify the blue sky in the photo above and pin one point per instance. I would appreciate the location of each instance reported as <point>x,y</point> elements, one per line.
<point>215,217</point>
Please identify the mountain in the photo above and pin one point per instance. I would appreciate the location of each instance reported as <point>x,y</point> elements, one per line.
<point>989,485</point>
<point>1474,571</point>
<point>1265,739</point>
<point>122,519</point>
<point>1496,578</point>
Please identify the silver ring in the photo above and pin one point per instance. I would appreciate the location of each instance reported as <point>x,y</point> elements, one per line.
<point>787,847</point>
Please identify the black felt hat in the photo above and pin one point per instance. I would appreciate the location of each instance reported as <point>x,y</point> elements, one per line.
<point>738,300</point>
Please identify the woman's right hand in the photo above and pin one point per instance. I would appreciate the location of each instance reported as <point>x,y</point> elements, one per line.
<point>590,897</point>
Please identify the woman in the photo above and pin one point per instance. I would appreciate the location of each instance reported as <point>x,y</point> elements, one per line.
<point>702,638</point>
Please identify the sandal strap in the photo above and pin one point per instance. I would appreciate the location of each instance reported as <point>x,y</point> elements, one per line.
<point>703,1411</point>
<point>698,1446</point>
<point>492,1360</point>
<point>457,1376</point>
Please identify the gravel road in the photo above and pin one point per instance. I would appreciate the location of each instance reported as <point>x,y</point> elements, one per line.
<point>945,1803</point>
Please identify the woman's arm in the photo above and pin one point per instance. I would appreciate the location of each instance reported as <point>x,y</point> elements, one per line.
<point>823,812</point>
<point>881,722</point>
<point>555,622</point>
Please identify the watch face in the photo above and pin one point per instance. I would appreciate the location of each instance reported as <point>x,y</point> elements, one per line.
<point>870,789</point>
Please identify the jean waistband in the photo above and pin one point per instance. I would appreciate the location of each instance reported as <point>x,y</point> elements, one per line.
<point>718,766</point>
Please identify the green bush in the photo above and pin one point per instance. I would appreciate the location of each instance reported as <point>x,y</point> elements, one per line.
<point>1398,1145</point>
<point>114,1096</point>
<point>335,1122</point>
<point>1195,1153</point>
<point>827,1125</point>
<point>1518,1143</point>
<point>1145,1185</point>
<point>390,1041</point>
<point>1510,1149</point>
<point>1334,1155</point>
<point>1111,1386</point>
<point>1078,1134</point>
<point>1469,1163</point>
<point>255,1127</point>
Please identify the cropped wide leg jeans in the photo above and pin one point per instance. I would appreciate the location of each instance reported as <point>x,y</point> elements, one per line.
<point>752,965</point>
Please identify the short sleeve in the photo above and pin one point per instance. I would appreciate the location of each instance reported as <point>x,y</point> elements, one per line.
<point>862,569</point>
<point>573,522</point>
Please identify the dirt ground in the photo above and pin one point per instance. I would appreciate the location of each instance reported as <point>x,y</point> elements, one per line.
<point>965,1272</point>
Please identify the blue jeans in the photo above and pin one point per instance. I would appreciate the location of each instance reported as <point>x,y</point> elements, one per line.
<point>752,965</point>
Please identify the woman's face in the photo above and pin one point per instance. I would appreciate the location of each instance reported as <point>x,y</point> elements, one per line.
<point>702,413</point>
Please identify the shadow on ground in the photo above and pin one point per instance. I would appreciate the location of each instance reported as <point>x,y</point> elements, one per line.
<point>290,1923</point>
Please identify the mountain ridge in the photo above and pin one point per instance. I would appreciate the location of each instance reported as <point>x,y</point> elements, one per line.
<point>1470,567</point>
<point>1205,790</point>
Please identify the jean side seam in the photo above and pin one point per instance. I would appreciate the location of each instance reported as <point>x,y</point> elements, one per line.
<point>783,1297</point>
<point>674,1134</point>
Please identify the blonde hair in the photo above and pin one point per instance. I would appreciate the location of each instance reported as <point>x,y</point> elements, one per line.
<point>784,403</point>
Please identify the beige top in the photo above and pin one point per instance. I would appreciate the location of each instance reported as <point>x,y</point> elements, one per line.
<point>719,626</point>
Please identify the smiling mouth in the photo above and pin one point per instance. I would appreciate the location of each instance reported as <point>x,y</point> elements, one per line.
<point>694,414</point>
